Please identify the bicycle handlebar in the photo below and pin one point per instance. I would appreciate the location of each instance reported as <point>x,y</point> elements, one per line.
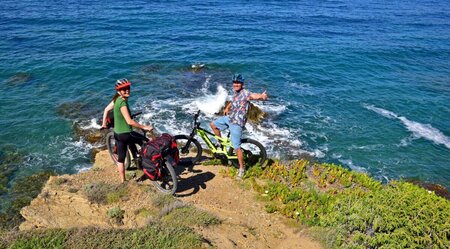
<point>136,114</point>
<point>132,116</point>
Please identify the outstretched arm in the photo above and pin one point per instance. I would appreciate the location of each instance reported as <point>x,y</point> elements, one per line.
<point>259,96</point>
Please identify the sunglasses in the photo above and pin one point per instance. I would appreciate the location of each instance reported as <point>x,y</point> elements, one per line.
<point>125,89</point>
<point>237,82</point>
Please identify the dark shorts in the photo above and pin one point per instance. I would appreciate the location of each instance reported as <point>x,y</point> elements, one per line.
<point>125,141</point>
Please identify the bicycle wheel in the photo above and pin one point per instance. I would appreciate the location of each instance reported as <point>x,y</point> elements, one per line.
<point>112,149</point>
<point>253,151</point>
<point>168,181</point>
<point>189,154</point>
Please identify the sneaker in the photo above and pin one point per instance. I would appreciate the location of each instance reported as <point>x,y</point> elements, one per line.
<point>240,173</point>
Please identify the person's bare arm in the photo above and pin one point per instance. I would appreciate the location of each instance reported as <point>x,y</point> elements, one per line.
<point>130,121</point>
<point>109,107</point>
<point>259,96</point>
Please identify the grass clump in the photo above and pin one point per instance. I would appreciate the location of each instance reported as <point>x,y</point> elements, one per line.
<point>60,181</point>
<point>214,161</point>
<point>187,215</point>
<point>116,214</point>
<point>103,193</point>
<point>160,200</point>
<point>120,193</point>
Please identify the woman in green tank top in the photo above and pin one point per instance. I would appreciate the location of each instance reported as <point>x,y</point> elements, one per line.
<point>123,123</point>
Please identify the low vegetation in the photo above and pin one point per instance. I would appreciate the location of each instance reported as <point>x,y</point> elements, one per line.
<point>347,209</point>
<point>170,224</point>
<point>152,236</point>
<point>102,193</point>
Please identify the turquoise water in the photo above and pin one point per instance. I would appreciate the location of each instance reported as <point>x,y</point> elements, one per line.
<point>365,84</point>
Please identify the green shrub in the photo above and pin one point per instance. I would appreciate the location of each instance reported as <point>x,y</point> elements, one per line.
<point>118,194</point>
<point>60,180</point>
<point>116,214</point>
<point>354,210</point>
<point>214,161</point>
<point>103,193</point>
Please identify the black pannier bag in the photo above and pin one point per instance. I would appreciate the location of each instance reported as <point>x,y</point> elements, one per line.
<point>153,152</point>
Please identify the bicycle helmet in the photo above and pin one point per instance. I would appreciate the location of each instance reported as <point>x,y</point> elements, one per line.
<point>238,78</point>
<point>122,84</point>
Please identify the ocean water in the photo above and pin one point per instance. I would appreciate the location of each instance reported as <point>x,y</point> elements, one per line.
<point>364,84</point>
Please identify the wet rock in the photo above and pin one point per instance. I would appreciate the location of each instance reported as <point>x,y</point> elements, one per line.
<point>254,115</point>
<point>436,188</point>
<point>19,79</point>
<point>91,135</point>
<point>78,110</point>
<point>21,194</point>
<point>197,67</point>
<point>10,159</point>
<point>152,68</point>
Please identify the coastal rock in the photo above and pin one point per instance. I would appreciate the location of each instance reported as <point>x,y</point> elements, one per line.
<point>91,135</point>
<point>77,110</point>
<point>10,159</point>
<point>63,202</point>
<point>197,67</point>
<point>61,209</point>
<point>436,188</point>
<point>254,115</point>
<point>19,79</point>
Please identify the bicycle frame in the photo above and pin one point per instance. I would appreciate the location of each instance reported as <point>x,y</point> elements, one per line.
<point>225,142</point>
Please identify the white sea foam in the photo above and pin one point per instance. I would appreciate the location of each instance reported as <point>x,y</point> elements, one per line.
<point>74,149</point>
<point>383,112</point>
<point>419,130</point>
<point>92,124</point>
<point>352,166</point>
<point>271,108</point>
<point>83,168</point>
<point>211,103</point>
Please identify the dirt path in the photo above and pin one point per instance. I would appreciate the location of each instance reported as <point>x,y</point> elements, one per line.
<point>245,222</point>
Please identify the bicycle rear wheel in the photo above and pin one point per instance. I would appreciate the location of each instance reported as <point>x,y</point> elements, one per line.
<point>189,153</point>
<point>253,151</point>
<point>168,182</point>
<point>112,149</point>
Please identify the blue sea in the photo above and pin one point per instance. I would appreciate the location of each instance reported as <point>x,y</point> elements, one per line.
<point>363,84</point>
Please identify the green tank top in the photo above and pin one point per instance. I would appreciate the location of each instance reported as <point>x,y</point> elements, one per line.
<point>120,124</point>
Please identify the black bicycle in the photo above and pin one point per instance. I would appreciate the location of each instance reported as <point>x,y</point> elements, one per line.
<point>167,182</point>
<point>190,149</point>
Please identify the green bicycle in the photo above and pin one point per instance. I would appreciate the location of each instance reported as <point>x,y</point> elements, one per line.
<point>191,150</point>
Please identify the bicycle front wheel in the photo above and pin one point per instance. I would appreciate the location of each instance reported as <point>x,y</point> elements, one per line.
<point>168,181</point>
<point>112,149</point>
<point>253,152</point>
<point>189,149</point>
